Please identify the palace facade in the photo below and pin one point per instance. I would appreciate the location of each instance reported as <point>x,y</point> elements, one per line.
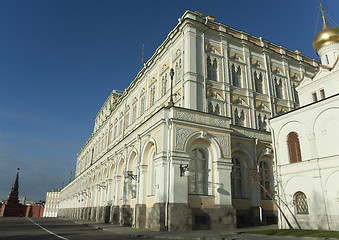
<point>204,160</point>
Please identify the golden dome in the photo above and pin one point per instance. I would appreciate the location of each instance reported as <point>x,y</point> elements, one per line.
<point>326,36</point>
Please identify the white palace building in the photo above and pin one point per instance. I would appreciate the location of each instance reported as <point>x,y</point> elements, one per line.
<point>203,160</point>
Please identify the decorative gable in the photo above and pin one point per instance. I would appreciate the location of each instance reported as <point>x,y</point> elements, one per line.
<point>215,95</point>
<point>240,101</point>
<point>236,57</point>
<point>164,67</point>
<point>257,64</point>
<point>277,71</point>
<point>263,107</point>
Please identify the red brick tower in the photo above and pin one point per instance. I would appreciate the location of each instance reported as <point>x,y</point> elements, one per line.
<point>12,207</point>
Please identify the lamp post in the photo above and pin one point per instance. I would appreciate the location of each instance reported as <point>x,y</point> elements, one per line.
<point>171,103</point>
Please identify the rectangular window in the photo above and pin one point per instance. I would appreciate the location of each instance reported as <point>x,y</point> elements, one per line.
<point>322,93</point>
<point>314,97</point>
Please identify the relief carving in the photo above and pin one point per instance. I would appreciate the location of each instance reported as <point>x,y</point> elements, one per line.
<point>181,136</point>
<point>224,144</point>
<point>203,119</point>
<point>186,116</point>
<point>218,122</point>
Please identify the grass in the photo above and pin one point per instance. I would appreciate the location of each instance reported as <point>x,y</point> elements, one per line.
<point>297,233</point>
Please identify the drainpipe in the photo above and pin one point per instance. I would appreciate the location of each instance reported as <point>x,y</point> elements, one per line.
<point>138,182</point>
<point>169,126</point>
<point>258,176</point>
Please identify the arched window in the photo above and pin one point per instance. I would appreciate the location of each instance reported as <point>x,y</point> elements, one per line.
<point>242,118</point>
<point>237,179</point>
<point>265,180</point>
<point>293,147</point>
<point>300,203</point>
<point>209,68</point>
<point>262,122</point>
<point>215,70</point>
<point>179,71</point>
<point>134,112</point>
<point>212,69</point>
<point>115,133</point>
<point>279,88</point>
<point>258,82</point>
<point>217,110</point>
<point>296,96</point>
<point>236,75</point>
<point>164,85</point>
<point>142,105</point>
<point>126,119</point>
<point>198,175</point>
<point>120,124</point>
<point>210,107</point>
<point>152,96</point>
<point>236,118</point>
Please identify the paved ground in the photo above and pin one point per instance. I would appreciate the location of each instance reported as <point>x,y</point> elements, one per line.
<point>55,229</point>
<point>12,228</point>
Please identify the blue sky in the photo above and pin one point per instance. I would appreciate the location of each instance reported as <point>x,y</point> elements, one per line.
<point>59,61</point>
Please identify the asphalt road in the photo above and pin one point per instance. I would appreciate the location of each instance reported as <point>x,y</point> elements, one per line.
<point>20,228</point>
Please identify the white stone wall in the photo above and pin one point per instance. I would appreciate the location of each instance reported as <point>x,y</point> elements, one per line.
<point>317,127</point>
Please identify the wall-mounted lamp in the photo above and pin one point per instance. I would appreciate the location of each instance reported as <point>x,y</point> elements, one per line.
<point>184,170</point>
<point>131,175</point>
<point>171,103</point>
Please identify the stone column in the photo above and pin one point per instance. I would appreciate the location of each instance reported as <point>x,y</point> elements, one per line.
<point>190,66</point>
<point>223,215</point>
<point>115,209</point>
<point>108,202</point>
<point>270,83</point>
<point>140,207</point>
<point>179,212</point>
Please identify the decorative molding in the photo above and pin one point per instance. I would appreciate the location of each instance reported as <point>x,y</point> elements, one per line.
<point>203,119</point>
<point>218,122</point>
<point>181,136</point>
<point>252,134</point>
<point>224,144</point>
<point>186,116</point>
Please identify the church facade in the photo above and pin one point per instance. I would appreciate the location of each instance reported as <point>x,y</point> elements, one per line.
<point>196,155</point>
<point>306,144</point>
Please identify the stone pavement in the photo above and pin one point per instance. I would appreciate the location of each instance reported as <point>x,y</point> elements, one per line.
<point>219,234</point>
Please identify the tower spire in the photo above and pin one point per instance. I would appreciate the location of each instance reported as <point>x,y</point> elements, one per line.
<point>323,15</point>
<point>16,180</point>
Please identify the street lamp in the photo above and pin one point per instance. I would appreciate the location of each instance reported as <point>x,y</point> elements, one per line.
<point>171,103</point>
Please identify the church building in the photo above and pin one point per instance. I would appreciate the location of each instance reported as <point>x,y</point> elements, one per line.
<point>186,145</point>
<point>307,153</point>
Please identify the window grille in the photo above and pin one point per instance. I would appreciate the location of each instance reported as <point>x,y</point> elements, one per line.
<point>300,203</point>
